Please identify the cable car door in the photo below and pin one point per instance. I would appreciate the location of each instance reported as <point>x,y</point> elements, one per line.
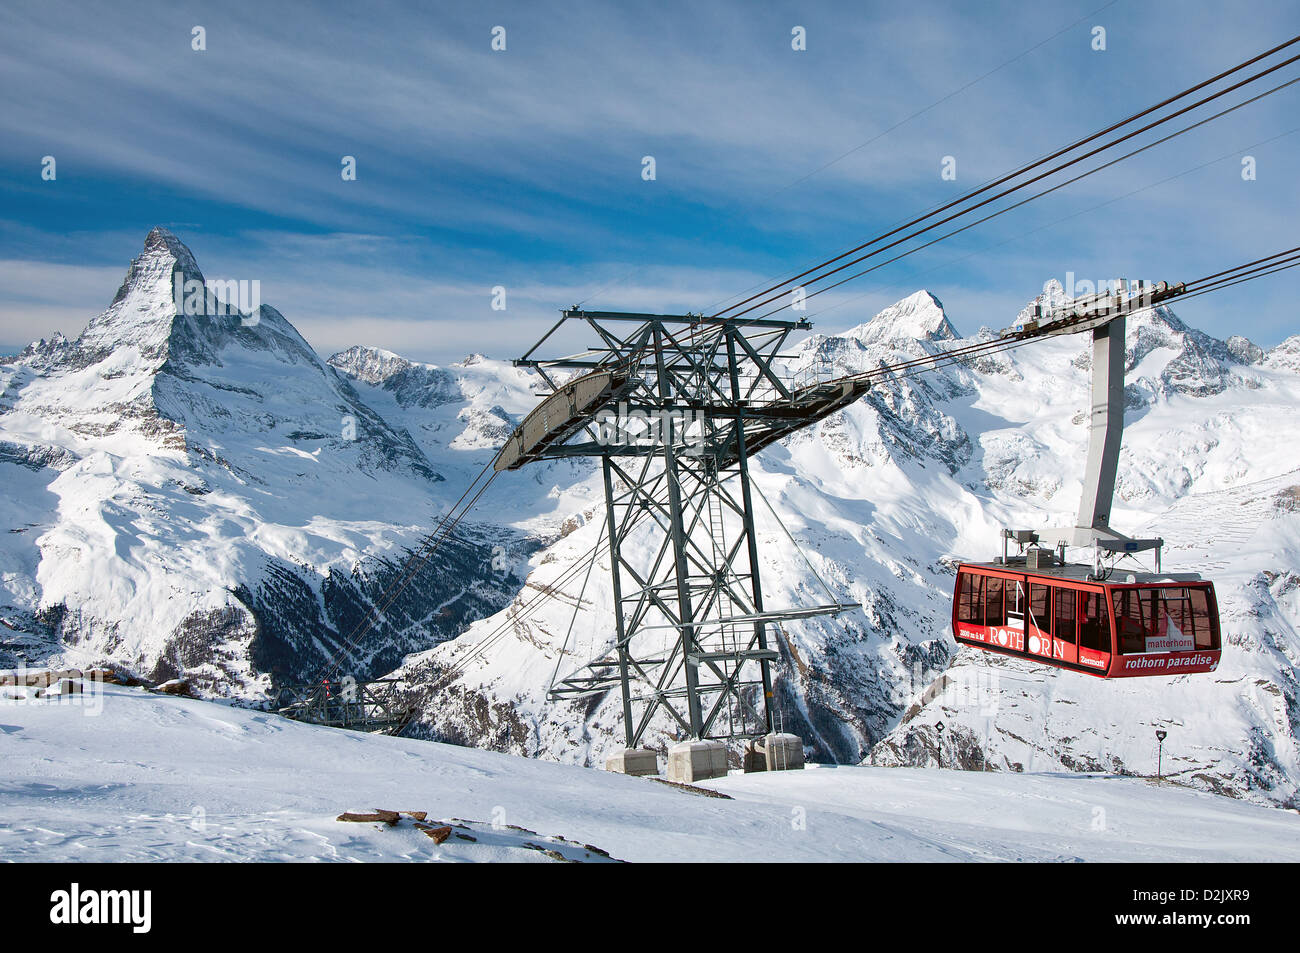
<point>1016,613</point>
<point>1038,625</point>
<point>1065,625</point>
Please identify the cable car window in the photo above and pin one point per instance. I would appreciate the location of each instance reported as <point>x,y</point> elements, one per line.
<point>1040,607</point>
<point>1178,614</point>
<point>1166,619</point>
<point>1131,620</point>
<point>1015,590</point>
<point>1205,631</point>
<point>1173,622</point>
<point>970,603</point>
<point>1094,622</point>
<point>1065,615</point>
<point>995,612</point>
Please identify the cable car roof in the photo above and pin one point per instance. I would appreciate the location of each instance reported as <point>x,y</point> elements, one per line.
<point>1081,572</point>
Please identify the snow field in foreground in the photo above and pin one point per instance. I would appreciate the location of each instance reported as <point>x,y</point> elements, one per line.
<point>158,778</point>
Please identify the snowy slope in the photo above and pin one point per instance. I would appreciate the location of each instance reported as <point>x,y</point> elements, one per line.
<point>460,416</point>
<point>156,778</point>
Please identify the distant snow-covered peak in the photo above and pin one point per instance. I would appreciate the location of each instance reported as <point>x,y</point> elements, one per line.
<point>40,353</point>
<point>372,365</point>
<point>1285,356</point>
<point>919,316</point>
<point>411,384</point>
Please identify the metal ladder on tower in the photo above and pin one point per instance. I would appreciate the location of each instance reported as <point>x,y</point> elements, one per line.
<point>725,606</point>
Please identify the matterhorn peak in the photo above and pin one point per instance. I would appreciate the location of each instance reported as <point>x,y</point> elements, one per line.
<point>145,307</point>
<point>168,310</point>
<point>153,269</point>
<point>161,241</point>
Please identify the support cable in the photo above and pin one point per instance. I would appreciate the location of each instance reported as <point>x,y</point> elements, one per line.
<point>577,604</point>
<point>1020,236</point>
<point>1022,202</point>
<point>430,545</point>
<point>776,292</point>
<point>1055,155</point>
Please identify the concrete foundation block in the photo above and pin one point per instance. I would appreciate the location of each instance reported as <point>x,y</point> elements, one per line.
<point>637,762</point>
<point>781,751</point>
<point>697,761</point>
<point>64,686</point>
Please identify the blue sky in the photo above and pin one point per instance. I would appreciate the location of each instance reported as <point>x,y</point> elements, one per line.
<point>522,168</point>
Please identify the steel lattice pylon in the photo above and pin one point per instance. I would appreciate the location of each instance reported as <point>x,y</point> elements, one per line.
<point>673,406</point>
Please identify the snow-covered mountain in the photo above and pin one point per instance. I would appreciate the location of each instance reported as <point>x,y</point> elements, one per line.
<point>209,497</point>
<point>202,494</point>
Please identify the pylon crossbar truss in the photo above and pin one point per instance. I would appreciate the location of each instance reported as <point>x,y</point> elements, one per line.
<point>691,629</point>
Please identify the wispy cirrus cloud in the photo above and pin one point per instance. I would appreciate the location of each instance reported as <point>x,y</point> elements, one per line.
<point>522,168</point>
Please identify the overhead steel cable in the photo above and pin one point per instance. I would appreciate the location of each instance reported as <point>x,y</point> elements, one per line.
<point>1037,178</point>
<point>1020,236</point>
<point>878,136</point>
<point>783,287</point>
<point>1273,268</point>
<point>1230,271</point>
<point>1262,274</point>
<point>719,315</point>
<point>1036,195</point>
<point>723,314</point>
<point>1047,158</point>
<point>418,558</point>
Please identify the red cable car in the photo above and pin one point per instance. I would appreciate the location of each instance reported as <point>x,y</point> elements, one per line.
<point>1146,624</point>
<point>1039,607</point>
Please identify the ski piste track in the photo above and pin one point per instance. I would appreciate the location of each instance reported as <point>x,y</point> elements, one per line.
<point>1238,511</point>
